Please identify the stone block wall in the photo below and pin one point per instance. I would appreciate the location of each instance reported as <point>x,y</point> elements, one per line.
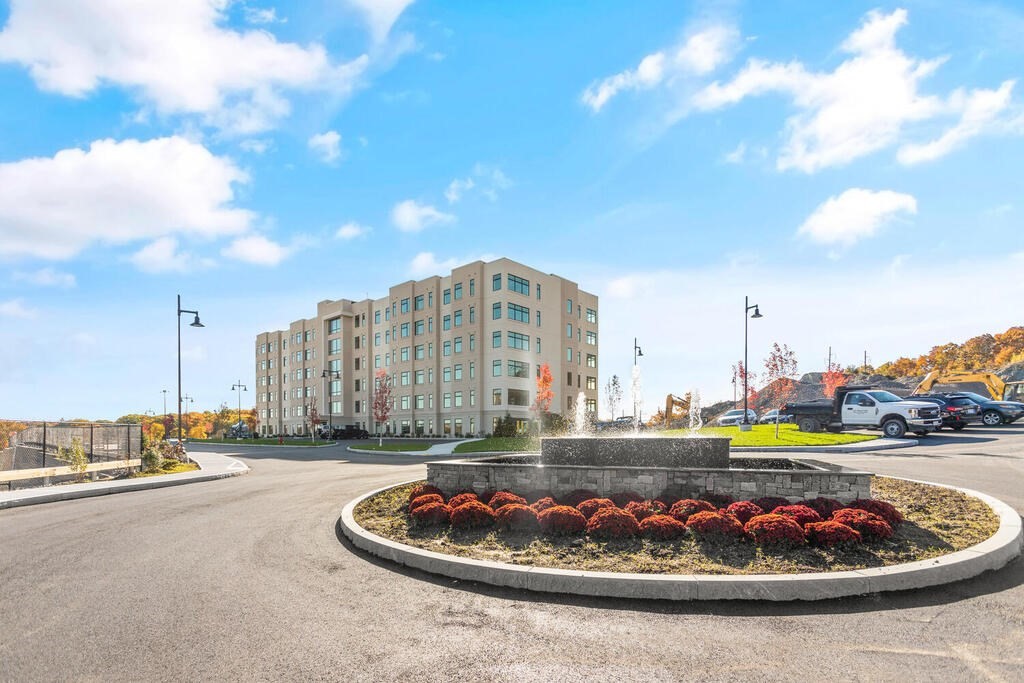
<point>823,479</point>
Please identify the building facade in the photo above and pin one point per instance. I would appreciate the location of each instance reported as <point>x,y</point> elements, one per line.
<point>462,351</point>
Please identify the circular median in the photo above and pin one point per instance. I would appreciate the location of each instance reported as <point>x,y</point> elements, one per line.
<point>992,553</point>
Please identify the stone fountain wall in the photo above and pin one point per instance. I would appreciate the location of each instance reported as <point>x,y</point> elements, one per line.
<point>818,479</point>
<point>636,452</point>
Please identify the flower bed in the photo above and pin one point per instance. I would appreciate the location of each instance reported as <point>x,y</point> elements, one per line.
<point>693,536</point>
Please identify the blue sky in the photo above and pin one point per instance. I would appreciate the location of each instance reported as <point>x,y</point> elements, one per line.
<point>854,167</point>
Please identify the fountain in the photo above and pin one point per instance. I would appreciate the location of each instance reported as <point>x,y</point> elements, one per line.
<point>637,395</point>
<point>580,423</point>
<point>696,423</point>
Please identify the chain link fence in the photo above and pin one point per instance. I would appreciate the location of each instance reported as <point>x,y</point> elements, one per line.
<point>42,444</point>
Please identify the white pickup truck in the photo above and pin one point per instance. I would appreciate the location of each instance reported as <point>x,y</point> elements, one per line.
<point>866,407</point>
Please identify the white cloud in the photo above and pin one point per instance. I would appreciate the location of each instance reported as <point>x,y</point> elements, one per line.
<point>855,215</point>
<point>456,188</point>
<point>700,54</point>
<point>737,155</point>
<point>425,264</point>
<point>327,146</point>
<point>411,216</point>
<point>177,57</point>
<point>380,15</point>
<point>980,108</point>
<point>864,105</point>
<point>15,308</point>
<point>255,145</point>
<point>256,249</point>
<point>352,230</point>
<point>259,15</point>
<point>116,193</point>
<point>46,277</point>
<point>162,256</point>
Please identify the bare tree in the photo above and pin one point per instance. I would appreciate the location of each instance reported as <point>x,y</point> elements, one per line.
<point>381,401</point>
<point>613,395</point>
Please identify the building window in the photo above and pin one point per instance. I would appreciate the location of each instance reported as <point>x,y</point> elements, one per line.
<point>591,382</point>
<point>447,296</point>
<point>591,315</point>
<point>446,322</point>
<point>568,378</point>
<point>418,352</point>
<point>592,338</point>
<point>518,369</point>
<point>334,346</point>
<point>496,339</point>
<point>458,318</point>
<point>496,311</point>
<point>472,287</point>
<point>430,299</point>
<point>334,325</point>
<point>405,403</point>
<point>496,368</point>
<point>472,342</point>
<point>518,341</point>
<point>496,398</point>
<point>334,365</point>
<point>376,317</point>
<point>405,306</point>
<point>419,401</point>
<point>419,377</point>
<point>446,375</point>
<point>538,318</point>
<point>568,354</point>
<point>568,330</point>
<point>458,345</point>
<point>591,360</point>
<point>518,397</point>
<point>472,399</point>
<point>495,286</point>
<point>405,330</point>
<point>430,324</point>
<point>472,370</point>
<point>418,303</point>
<point>376,361</point>
<point>518,313</point>
<point>358,406</point>
<point>406,378</point>
<point>518,284</point>
<point>458,399</point>
<point>568,306</point>
<point>458,372</point>
<point>538,344</point>
<point>418,327</point>
<point>376,339</point>
<point>387,314</point>
<point>446,400</point>
<point>472,314</point>
<point>310,335</point>
<point>446,348</point>
<point>458,291</point>
<point>405,354</point>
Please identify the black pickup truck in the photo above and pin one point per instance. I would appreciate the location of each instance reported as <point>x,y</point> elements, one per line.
<point>866,407</point>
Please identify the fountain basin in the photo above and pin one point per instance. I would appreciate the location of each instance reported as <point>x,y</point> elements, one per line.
<point>636,452</point>
<point>803,479</point>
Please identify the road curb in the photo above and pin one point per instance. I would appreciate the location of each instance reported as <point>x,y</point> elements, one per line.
<point>121,487</point>
<point>992,553</point>
<point>860,447</point>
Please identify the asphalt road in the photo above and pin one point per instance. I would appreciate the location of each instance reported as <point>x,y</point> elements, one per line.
<point>246,579</point>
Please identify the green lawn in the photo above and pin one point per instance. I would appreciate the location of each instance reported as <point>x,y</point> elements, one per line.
<point>500,443</point>
<point>764,435</point>
<point>395,447</point>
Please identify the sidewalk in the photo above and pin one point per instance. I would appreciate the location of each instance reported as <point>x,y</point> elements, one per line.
<point>437,449</point>
<point>211,466</point>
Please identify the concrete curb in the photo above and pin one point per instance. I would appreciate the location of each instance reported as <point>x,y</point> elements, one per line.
<point>861,447</point>
<point>71,492</point>
<point>993,553</point>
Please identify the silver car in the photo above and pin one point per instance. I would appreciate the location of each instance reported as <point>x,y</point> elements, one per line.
<point>735,417</point>
<point>769,417</point>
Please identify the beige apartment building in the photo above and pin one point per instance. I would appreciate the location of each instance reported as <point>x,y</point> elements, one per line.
<point>462,350</point>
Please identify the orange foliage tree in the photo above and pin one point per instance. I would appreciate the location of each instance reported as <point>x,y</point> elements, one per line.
<point>542,402</point>
<point>833,378</point>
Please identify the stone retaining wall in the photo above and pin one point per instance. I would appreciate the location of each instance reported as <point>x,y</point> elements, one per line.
<point>823,479</point>
<point>675,452</point>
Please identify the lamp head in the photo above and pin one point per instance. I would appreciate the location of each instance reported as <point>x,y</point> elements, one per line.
<point>757,313</point>
<point>196,323</point>
<point>639,353</point>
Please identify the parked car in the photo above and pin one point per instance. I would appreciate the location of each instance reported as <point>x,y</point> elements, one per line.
<point>770,417</point>
<point>735,417</point>
<point>956,411</point>
<point>345,432</point>
<point>992,412</point>
<point>866,407</point>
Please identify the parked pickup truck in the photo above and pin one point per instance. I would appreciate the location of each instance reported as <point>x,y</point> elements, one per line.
<point>866,407</point>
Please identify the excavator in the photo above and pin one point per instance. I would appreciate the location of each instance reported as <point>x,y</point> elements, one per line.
<point>671,404</point>
<point>996,387</point>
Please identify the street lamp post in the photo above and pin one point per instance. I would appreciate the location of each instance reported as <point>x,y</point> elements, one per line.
<point>239,387</point>
<point>329,374</point>
<point>194,323</point>
<point>187,399</point>
<point>637,353</point>
<point>746,366</point>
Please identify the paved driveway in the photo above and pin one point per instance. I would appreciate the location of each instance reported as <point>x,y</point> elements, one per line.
<point>246,578</point>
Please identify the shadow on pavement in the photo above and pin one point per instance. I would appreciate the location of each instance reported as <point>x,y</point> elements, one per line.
<point>1009,577</point>
<point>336,453</point>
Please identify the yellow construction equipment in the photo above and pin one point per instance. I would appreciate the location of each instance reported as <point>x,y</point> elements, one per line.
<point>671,403</point>
<point>996,387</point>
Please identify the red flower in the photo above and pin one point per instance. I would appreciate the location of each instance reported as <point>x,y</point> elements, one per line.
<point>625,498</point>
<point>886,511</point>
<point>516,517</point>
<point>719,500</point>
<point>769,503</point>
<point>831,534</point>
<point>424,499</point>
<point>505,498</point>
<point>456,501</point>
<point>472,515</point>
<point>612,522</point>
<point>543,504</point>
<point>662,528</point>
<point>801,514</point>
<point>871,526</point>
<point>589,507</point>
<point>422,490</point>
<point>562,520</point>
<point>430,514</point>
<point>823,506</point>
<point>774,530</point>
<point>574,498</point>
<point>682,509</point>
<point>644,509</point>
<point>743,510</point>
<point>714,526</point>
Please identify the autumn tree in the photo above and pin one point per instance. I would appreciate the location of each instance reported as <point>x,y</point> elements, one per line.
<point>156,431</point>
<point>741,376</point>
<point>613,395</point>
<point>542,402</point>
<point>7,429</point>
<point>381,401</point>
<point>251,418</point>
<point>314,415</point>
<point>833,378</point>
<point>780,369</point>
